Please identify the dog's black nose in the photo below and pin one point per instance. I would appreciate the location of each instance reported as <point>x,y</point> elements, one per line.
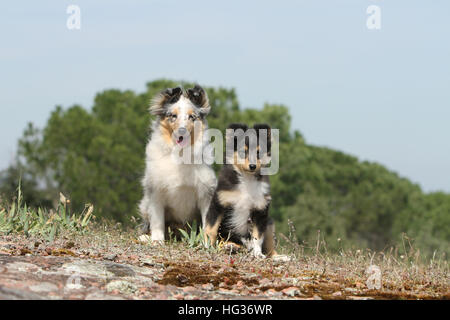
<point>252,167</point>
<point>182,131</point>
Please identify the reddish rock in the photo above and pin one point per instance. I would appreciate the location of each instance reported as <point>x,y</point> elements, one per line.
<point>291,291</point>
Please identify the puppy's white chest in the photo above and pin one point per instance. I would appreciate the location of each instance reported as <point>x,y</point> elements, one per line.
<point>252,193</point>
<point>251,196</point>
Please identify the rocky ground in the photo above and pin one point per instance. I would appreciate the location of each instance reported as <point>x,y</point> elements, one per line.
<point>110,264</point>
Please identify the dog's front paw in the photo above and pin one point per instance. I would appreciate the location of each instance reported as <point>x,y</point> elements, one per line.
<point>257,253</point>
<point>157,236</point>
<point>230,247</point>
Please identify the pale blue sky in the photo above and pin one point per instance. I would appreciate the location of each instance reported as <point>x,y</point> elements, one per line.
<point>382,96</point>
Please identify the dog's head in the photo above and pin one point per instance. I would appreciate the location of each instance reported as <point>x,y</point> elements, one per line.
<point>251,147</point>
<point>181,113</point>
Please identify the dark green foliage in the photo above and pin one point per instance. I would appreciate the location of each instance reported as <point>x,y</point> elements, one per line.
<point>97,157</point>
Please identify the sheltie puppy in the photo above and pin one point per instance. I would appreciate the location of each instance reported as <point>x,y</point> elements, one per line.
<point>176,192</point>
<point>239,210</point>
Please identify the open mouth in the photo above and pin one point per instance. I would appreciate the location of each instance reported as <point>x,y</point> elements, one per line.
<point>181,141</point>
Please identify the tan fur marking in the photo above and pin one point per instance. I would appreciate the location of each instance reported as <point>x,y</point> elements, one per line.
<point>227,198</point>
<point>166,131</point>
<point>255,233</point>
<point>269,242</point>
<point>246,165</point>
<point>211,231</point>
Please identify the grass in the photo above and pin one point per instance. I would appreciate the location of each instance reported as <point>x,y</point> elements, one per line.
<point>313,268</point>
<point>18,217</point>
<point>403,275</point>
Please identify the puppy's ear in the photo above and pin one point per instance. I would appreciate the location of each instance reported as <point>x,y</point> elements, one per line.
<point>264,126</point>
<point>231,133</point>
<point>236,126</point>
<point>199,98</point>
<point>165,97</point>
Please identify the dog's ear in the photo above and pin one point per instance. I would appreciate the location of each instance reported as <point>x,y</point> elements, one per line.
<point>236,126</point>
<point>231,134</point>
<point>264,126</point>
<point>172,94</point>
<point>159,103</point>
<point>199,98</point>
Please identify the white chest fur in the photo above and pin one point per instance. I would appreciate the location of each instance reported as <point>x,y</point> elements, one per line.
<point>181,187</point>
<point>251,194</point>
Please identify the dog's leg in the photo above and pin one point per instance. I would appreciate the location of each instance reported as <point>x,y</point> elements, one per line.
<point>204,204</point>
<point>205,191</point>
<point>260,223</point>
<point>211,230</point>
<point>155,212</point>
<point>212,222</point>
<point>257,241</point>
<point>269,242</point>
<point>145,226</point>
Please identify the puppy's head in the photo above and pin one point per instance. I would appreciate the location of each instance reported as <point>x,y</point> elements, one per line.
<point>251,147</point>
<point>181,113</point>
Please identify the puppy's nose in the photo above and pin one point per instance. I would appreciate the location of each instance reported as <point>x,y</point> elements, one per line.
<point>182,131</point>
<point>252,167</point>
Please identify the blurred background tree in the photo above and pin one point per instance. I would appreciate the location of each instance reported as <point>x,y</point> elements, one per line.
<point>97,156</point>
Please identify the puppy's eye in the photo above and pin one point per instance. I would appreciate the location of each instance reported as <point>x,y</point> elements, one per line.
<point>192,117</point>
<point>173,117</point>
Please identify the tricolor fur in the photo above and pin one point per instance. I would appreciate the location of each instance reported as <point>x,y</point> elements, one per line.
<point>174,192</point>
<point>239,211</point>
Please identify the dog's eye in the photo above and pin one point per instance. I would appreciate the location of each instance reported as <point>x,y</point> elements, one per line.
<point>173,117</point>
<point>192,117</point>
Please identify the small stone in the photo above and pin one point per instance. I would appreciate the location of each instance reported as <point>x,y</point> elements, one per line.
<point>281,258</point>
<point>291,291</point>
<point>101,296</point>
<point>228,292</point>
<point>359,298</point>
<point>44,287</point>
<point>337,294</point>
<point>110,257</point>
<point>264,282</point>
<point>273,292</point>
<point>178,296</point>
<point>316,297</point>
<point>121,286</point>
<point>189,289</point>
<point>208,286</point>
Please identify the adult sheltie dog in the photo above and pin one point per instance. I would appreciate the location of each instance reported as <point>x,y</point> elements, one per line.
<point>176,192</point>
